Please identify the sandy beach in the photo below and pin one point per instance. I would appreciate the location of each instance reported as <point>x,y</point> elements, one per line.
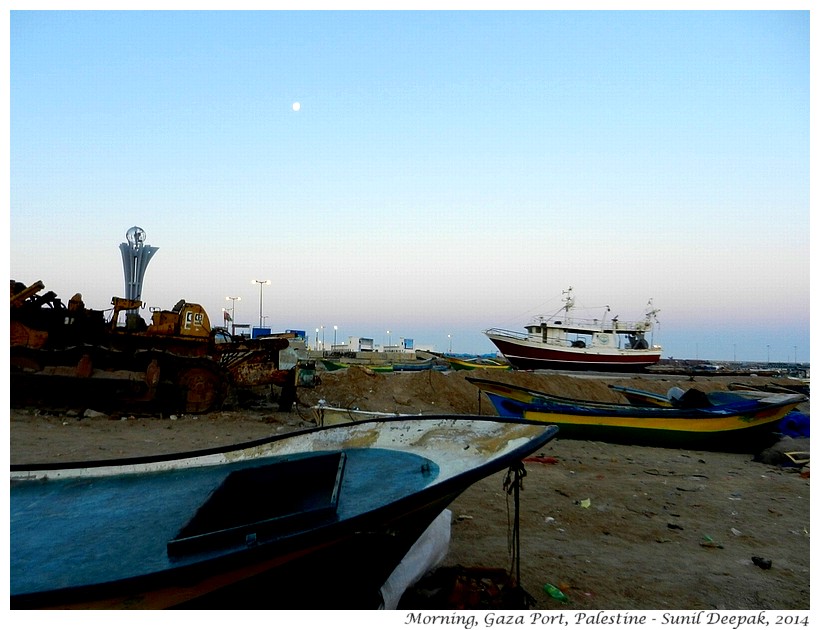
<point>613,527</point>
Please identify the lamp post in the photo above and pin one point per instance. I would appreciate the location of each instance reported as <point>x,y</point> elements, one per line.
<point>335,328</point>
<point>388,341</point>
<point>233,312</point>
<point>449,344</point>
<point>261,283</point>
<point>316,347</point>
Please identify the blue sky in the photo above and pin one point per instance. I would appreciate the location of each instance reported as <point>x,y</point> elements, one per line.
<point>447,172</point>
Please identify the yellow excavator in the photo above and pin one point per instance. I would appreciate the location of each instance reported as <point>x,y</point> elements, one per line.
<point>177,362</point>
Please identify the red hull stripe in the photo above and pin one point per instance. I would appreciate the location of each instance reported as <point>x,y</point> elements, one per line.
<point>514,352</point>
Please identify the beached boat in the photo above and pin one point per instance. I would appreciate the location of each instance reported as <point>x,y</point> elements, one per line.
<point>512,400</point>
<point>318,518</point>
<point>378,367</point>
<point>794,424</point>
<point>562,342</point>
<point>332,366</point>
<point>730,424</point>
<point>476,364</point>
<point>416,366</point>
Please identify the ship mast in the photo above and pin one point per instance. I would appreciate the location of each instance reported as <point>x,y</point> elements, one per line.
<point>651,313</point>
<point>569,302</point>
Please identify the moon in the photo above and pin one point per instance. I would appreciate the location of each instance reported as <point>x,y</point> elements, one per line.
<point>296,106</point>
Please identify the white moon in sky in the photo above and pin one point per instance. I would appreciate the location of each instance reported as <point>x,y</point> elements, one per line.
<point>297,106</point>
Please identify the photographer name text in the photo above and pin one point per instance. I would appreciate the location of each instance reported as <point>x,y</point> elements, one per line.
<point>716,620</point>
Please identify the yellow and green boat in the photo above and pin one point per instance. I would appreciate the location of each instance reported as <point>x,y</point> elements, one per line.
<point>476,364</point>
<point>332,366</point>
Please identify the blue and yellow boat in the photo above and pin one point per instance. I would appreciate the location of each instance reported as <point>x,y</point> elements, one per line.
<point>720,423</point>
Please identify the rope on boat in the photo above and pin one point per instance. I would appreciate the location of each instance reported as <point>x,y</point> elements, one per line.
<point>513,484</point>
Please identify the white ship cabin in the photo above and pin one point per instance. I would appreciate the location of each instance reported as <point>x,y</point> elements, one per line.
<point>590,333</point>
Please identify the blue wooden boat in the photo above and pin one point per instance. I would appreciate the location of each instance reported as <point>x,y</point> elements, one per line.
<point>733,424</point>
<point>313,519</point>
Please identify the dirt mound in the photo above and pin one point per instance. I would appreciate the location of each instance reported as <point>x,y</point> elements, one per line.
<point>398,392</point>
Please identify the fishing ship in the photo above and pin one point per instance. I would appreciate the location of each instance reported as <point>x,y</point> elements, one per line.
<point>563,342</point>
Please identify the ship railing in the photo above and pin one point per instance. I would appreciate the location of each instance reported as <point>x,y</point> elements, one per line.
<point>515,334</point>
<point>589,325</point>
<point>594,325</point>
<point>641,326</point>
<point>522,336</point>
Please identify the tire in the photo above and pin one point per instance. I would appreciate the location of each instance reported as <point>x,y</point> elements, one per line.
<point>201,388</point>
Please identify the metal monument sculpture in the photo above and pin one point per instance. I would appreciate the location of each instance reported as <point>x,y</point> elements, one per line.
<point>135,258</point>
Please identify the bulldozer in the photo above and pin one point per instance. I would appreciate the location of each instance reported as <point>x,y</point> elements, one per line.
<point>177,362</point>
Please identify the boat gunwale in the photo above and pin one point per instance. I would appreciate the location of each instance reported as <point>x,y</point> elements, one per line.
<point>120,462</point>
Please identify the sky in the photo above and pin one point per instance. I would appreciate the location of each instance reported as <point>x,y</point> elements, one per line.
<point>444,172</point>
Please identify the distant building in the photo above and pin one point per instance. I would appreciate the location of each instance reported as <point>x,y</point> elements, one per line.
<point>404,345</point>
<point>368,344</point>
<point>355,344</point>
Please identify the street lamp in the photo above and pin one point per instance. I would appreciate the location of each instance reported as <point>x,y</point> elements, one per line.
<point>260,283</point>
<point>388,339</point>
<point>450,344</point>
<point>233,312</point>
<point>335,328</point>
<point>316,347</point>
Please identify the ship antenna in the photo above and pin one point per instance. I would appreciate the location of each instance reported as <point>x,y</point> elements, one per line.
<point>652,313</point>
<point>569,302</point>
